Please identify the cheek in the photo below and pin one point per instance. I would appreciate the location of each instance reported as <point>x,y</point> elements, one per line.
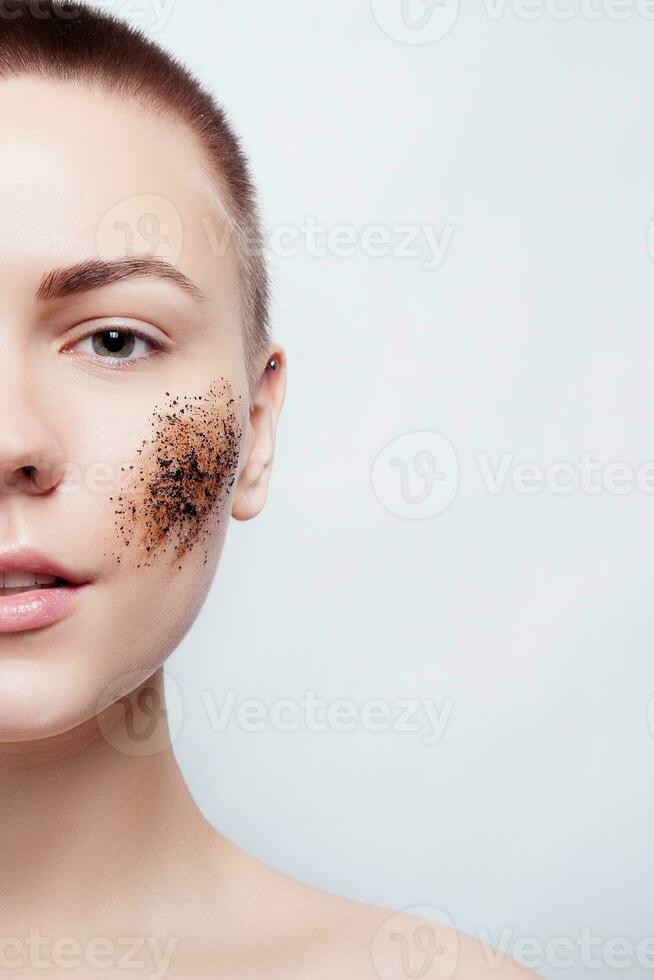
<point>175,493</point>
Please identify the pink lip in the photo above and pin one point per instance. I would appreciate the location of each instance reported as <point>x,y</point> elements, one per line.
<point>38,607</point>
<point>35,609</point>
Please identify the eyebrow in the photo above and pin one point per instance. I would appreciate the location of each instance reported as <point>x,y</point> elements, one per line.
<point>94,273</point>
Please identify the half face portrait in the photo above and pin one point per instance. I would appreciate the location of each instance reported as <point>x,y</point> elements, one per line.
<point>139,404</point>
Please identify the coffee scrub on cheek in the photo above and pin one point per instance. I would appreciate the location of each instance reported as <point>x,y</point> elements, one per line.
<point>173,498</point>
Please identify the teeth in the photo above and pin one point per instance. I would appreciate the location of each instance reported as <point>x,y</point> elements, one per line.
<point>17,580</point>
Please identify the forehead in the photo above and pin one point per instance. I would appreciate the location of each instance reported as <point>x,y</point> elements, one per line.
<point>86,173</point>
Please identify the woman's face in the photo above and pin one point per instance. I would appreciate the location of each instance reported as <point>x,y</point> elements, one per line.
<point>138,440</point>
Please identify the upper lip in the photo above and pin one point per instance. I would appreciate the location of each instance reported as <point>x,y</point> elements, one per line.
<point>30,560</point>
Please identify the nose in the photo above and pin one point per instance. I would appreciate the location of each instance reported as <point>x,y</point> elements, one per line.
<point>31,458</point>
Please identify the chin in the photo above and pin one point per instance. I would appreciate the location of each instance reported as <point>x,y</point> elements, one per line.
<point>38,700</point>
<point>69,675</point>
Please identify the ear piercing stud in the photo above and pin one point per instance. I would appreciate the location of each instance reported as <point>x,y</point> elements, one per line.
<point>273,364</point>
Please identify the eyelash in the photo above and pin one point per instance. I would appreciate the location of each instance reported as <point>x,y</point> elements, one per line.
<point>117,363</point>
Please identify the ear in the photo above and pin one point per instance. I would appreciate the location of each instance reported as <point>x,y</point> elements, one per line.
<point>259,447</point>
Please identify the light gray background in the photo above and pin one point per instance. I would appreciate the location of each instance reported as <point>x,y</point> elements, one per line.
<point>530,614</point>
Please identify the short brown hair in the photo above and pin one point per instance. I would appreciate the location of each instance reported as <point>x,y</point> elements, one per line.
<point>65,40</point>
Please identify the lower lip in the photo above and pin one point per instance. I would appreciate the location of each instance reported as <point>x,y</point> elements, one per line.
<point>38,608</point>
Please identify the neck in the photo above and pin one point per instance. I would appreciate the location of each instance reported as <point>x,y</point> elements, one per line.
<point>97,823</point>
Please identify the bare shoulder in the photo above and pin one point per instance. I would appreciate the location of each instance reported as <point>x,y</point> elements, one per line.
<point>291,931</point>
<point>361,942</point>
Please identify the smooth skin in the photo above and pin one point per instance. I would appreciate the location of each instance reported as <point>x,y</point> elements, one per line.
<point>99,836</point>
